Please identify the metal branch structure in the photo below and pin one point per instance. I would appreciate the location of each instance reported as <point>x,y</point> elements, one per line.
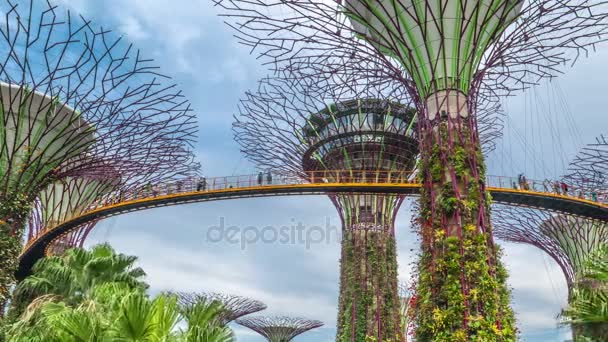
<point>568,240</point>
<point>448,56</point>
<point>82,115</point>
<point>65,199</point>
<point>234,307</point>
<point>279,329</point>
<point>288,127</point>
<point>316,127</point>
<point>589,169</point>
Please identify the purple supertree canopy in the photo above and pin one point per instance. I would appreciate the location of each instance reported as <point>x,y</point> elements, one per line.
<point>279,329</point>
<point>272,120</point>
<point>233,307</point>
<point>307,37</point>
<point>567,239</point>
<point>79,100</point>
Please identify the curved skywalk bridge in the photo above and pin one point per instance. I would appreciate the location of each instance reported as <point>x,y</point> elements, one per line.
<point>505,190</point>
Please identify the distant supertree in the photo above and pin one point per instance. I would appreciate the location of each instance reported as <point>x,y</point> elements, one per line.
<point>446,55</point>
<point>65,199</point>
<point>569,240</point>
<point>77,102</point>
<point>233,307</point>
<point>288,126</point>
<point>279,329</point>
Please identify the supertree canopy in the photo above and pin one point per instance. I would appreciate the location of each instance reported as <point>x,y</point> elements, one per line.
<point>279,329</point>
<point>449,56</point>
<point>79,108</point>
<point>233,307</point>
<point>568,239</point>
<point>65,199</point>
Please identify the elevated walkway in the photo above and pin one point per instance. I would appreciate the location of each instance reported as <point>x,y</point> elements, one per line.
<point>533,194</point>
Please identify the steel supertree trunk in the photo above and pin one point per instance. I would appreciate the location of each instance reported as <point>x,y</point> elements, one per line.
<point>365,140</point>
<point>462,292</point>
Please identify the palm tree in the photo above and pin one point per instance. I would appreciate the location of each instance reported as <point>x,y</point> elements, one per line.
<point>588,309</point>
<point>115,312</point>
<point>72,275</point>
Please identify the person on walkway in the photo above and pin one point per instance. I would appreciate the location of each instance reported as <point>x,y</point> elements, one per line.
<point>148,189</point>
<point>201,185</point>
<point>564,188</point>
<point>594,196</point>
<point>524,182</point>
<point>269,177</point>
<point>515,186</point>
<point>520,180</point>
<point>260,178</point>
<point>556,187</point>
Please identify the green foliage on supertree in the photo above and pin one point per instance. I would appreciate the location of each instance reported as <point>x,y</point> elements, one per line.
<point>368,293</point>
<point>461,289</point>
<point>13,213</point>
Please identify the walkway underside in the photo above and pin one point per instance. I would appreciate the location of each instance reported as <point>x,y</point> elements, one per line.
<point>37,247</point>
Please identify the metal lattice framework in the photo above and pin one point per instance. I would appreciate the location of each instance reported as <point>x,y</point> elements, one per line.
<point>68,198</point>
<point>279,329</point>
<point>448,56</point>
<point>299,126</point>
<point>234,307</point>
<point>522,41</point>
<point>289,127</point>
<point>589,169</point>
<point>568,240</point>
<point>78,103</point>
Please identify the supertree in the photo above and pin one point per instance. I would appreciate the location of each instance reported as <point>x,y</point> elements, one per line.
<point>77,102</point>
<point>279,329</point>
<point>65,199</point>
<point>568,239</point>
<point>447,55</point>
<point>233,307</point>
<point>300,127</point>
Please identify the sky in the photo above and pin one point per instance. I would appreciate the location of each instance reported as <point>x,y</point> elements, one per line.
<point>544,128</point>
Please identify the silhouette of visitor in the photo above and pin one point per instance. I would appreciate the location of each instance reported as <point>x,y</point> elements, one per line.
<point>565,188</point>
